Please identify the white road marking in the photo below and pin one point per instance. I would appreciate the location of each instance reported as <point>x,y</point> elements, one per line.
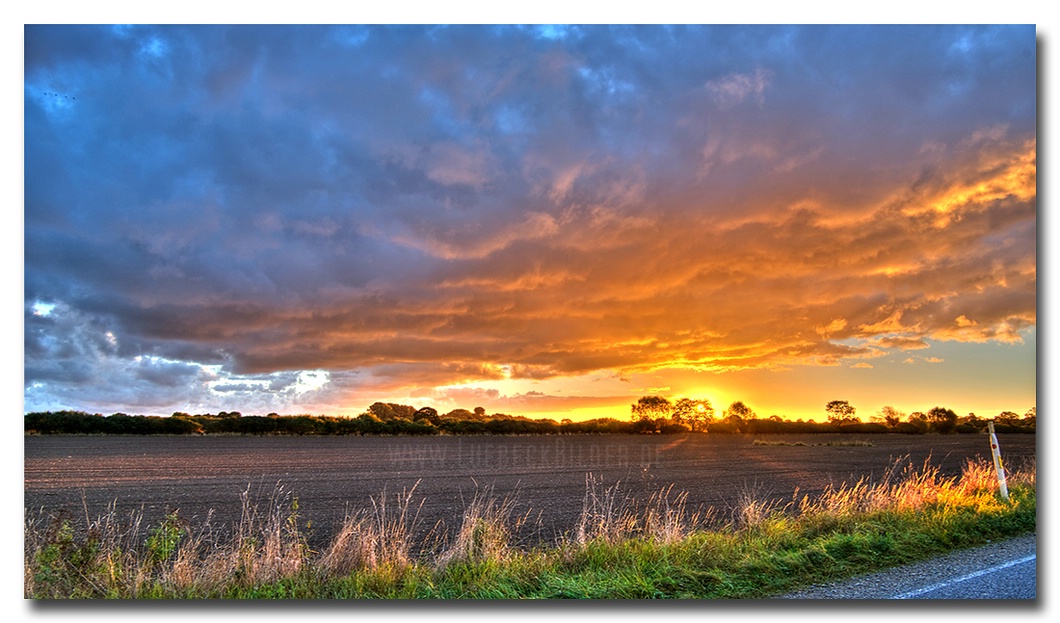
<point>928,589</point>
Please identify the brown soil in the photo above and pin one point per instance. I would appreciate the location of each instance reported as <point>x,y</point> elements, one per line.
<point>545,475</point>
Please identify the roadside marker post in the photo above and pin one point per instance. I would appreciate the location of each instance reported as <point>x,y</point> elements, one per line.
<point>994,450</point>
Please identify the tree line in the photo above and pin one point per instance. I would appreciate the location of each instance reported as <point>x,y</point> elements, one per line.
<point>378,419</point>
<point>659,414</point>
<point>649,415</point>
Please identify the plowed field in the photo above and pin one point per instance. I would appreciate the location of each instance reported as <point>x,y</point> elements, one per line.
<point>545,475</point>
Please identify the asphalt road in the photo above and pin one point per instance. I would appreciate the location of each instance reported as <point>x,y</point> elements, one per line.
<point>1003,570</point>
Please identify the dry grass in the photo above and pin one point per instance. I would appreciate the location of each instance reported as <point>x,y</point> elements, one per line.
<point>111,556</point>
<point>376,538</point>
<point>265,546</point>
<point>754,506</point>
<point>903,487</point>
<point>610,516</point>
<point>667,518</point>
<point>486,530</point>
<point>606,514</point>
<point>106,557</point>
<point>1024,474</point>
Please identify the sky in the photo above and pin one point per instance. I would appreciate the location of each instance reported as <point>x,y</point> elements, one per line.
<point>549,221</point>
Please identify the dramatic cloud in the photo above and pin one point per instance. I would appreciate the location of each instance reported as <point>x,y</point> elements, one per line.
<point>291,219</point>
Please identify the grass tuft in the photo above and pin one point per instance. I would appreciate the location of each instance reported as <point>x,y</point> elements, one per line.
<point>485,531</point>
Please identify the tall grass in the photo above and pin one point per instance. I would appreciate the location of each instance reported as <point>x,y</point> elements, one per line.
<point>619,548</point>
<point>486,531</point>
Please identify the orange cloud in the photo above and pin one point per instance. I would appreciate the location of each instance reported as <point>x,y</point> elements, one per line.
<point>678,289</point>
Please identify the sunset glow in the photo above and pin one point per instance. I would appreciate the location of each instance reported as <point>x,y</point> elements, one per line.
<point>541,221</point>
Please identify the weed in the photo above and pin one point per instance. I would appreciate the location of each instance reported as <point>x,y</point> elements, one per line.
<point>163,539</point>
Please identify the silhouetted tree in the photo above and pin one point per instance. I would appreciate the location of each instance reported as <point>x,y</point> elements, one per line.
<point>740,410</point>
<point>1030,419</point>
<point>942,420</point>
<point>840,412</point>
<point>682,409</point>
<point>970,423</point>
<point>919,421</point>
<point>1007,418</point>
<point>177,426</point>
<point>696,413</point>
<point>735,420</point>
<point>890,416</point>
<point>461,414</point>
<point>389,411</point>
<point>427,414</point>
<point>651,408</point>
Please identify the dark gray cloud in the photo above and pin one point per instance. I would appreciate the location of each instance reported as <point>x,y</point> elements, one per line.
<point>216,210</point>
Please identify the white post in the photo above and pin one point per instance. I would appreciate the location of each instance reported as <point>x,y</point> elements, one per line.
<point>997,462</point>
